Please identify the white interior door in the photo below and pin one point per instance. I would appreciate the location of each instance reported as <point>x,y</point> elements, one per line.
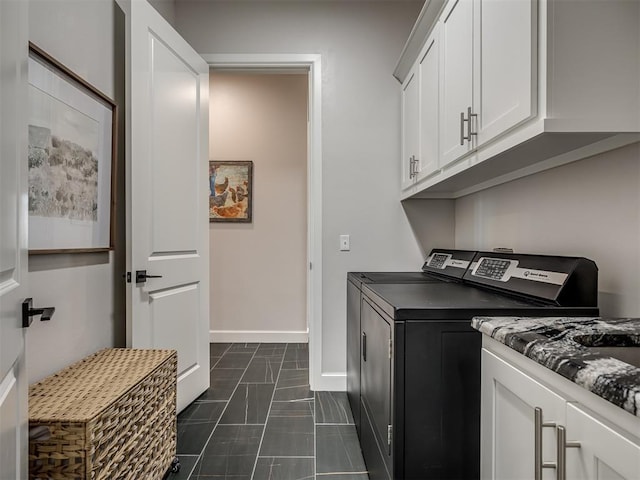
<point>13,238</point>
<point>167,195</point>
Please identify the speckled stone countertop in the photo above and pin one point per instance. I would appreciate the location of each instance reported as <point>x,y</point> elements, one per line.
<point>587,351</point>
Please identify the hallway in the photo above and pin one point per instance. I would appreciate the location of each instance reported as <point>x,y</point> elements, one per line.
<point>259,420</point>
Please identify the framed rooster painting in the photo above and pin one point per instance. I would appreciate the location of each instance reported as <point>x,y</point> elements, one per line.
<point>230,191</point>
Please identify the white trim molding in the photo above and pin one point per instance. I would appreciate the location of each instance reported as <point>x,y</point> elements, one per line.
<point>258,336</point>
<point>311,63</point>
<point>332,382</point>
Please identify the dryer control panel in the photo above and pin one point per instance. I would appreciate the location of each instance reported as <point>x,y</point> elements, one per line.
<point>448,263</point>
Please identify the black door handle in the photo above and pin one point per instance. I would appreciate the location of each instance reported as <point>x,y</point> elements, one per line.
<point>141,276</point>
<point>364,346</point>
<point>28,311</point>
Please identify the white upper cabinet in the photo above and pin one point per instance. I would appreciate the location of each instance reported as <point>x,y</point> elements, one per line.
<point>456,69</point>
<point>421,116</point>
<point>410,126</point>
<point>505,69</point>
<point>429,129</point>
<point>524,86</point>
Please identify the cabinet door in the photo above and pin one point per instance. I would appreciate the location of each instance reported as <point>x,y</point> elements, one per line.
<point>505,65</point>
<point>509,400</point>
<point>429,69</point>
<point>456,81</point>
<point>603,452</point>
<point>441,404</point>
<point>376,375</point>
<point>410,119</point>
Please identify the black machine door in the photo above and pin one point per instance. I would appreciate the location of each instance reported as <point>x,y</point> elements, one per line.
<point>353,351</point>
<point>376,368</point>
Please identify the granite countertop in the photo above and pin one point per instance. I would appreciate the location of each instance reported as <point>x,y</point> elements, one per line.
<point>558,343</point>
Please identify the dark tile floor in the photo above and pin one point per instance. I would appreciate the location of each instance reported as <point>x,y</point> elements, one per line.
<point>259,420</point>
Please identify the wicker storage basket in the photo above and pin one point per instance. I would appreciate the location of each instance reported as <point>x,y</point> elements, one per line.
<point>110,416</point>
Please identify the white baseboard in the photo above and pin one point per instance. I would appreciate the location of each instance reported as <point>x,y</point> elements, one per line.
<point>258,336</point>
<point>331,382</point>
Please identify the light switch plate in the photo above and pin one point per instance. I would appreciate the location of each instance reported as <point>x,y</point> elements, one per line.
<point>344,243</point>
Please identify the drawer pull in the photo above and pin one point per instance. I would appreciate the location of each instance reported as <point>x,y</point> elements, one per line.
<point>562,446</point>
<point>539,464</point>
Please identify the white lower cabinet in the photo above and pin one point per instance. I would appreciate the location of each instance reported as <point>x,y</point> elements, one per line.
<point>508,417</point>
<point>529,430</point>
<point>603,454</point>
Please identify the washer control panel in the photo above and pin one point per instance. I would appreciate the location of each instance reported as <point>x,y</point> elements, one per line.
<point>499,269</point>
<point>567,281</point>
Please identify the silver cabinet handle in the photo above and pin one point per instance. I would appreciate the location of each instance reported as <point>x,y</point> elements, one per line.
<point>470,131</point>
<point>539,463</point>
<point>470,115</point>
<point>561,452</point>
<point>413,172</point>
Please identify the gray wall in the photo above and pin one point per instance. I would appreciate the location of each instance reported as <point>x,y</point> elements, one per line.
<point>360,43</point>
<point>86,289</point>
<point>166,8</point>
<point>588,208</point>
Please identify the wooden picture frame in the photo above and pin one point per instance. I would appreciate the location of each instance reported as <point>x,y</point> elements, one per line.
<point>72,160</point>
<point>230,191</point>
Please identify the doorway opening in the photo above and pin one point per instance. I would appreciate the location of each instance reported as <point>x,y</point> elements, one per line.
<point>291,69</point>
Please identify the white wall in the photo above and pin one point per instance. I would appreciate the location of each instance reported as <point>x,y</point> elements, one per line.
<point>589,208</point>
<point>86,289</point>
<point>360,43</point>
<point>258,269</point>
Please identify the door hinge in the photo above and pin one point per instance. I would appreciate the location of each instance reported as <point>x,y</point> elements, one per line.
<point>390,349</point>
<point>389,434</point>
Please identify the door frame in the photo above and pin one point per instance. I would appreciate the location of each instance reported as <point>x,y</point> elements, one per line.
<point>312,64</point>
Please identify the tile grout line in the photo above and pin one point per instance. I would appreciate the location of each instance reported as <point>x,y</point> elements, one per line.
<point>318,412</point>
<point>255,463</point>
<point>220,357</point>
<point>285,456</point>
<point>315,434</point>
<point>318,406</point>
<point>335,424</point>
<point>224,409</point>
<point>199,456</point>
